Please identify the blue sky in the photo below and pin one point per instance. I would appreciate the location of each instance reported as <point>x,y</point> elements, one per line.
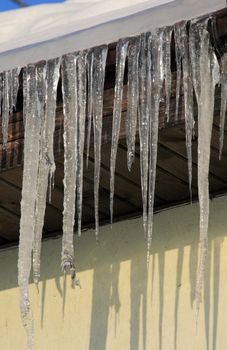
<point>6,5</point>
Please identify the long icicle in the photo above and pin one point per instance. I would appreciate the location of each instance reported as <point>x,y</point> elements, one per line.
<point>29,195</point>
<point>133,93</point>
<point>167,36</point>
<point>143,114</point>
<point>182,48</point>
<point>223,101</point>
<point>82,99</point>
<point>42,171</point>
<point>5,106</point>
<point>49,76</point>
<point>157,42</point>
<point>70,109</point>
<point>121,52</point>
<point>100,55</point>
<point>209,76</point>
<point>90,102</point>
<point>179,72</point>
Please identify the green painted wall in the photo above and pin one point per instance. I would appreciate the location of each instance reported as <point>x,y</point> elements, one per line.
<point>121,305</point>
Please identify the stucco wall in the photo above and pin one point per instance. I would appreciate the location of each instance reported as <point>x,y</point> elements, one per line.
<point>120,304</point>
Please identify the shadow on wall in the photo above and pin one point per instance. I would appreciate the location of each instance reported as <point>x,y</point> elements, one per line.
<point>153,299</point>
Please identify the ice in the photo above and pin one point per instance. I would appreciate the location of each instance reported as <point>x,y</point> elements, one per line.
<point>156,46</point>
<point>144,117</point>
<point>82,100</point>
<point>133,94</point>
<point>29,195</point>
<point>121,52</point>
<point>182,52</point>
<point>179,71</point>
<point>14,88</point>
<point>167,36</point>
<point>70,109</point>
<point>9,85</point>
<point>206,61</point>
<point>90,101</point>
<point>100,55</point>
<point>223,82</point>
<point>47,81</point>
<point>40,204</point>
<point>5,106</point>
<point>83,76</point>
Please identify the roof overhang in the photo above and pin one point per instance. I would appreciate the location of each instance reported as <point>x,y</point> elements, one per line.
<point>42,32</point>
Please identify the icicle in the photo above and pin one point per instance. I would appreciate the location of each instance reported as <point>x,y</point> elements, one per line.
<point>182,49</point>
<point>52,77</point>
<point>194,49</point>
<point>144,121</point>
<point>223,101</point>
<point>178,78</point>
<point>121,52</point>
<point>90,101</point>
<point>13,88</point>
<point>100,55</point>
<point>206,62</point>
<point>82,98</point>
<point>8,98</point>
<point>167,35</point>
<point>42,174</point>
<point>70,107</point>
<point>29,195</point>
<point>5,107</point>
<point>47,81</point>
<point>156,47</point>
<point>133,93</point>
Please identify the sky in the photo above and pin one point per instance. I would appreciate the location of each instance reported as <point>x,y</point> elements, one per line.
<point>7,5</point>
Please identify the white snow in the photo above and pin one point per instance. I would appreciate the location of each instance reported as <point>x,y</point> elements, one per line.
<point>47,31</point>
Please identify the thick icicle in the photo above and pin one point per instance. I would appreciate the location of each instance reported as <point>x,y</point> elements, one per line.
<point>133,93</point>
<point>167,35</point>
<point>47,81</point>
<point>70,109</point>
<point>194,50</point>
<point>40,204</point>
<point>90,101</point>
<point>182,49</point>
<point>144,117</point>
<point>209,76</point>
<point>100,55</point>
<point>82,99</point>
<point>223,101</point>
<point>29,195</point>
<point>121,52</point>
<point>156,47</point>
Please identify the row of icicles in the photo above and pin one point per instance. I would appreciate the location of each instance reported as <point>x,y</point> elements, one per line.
<point>83,74</point>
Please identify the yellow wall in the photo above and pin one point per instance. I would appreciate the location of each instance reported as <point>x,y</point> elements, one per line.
<point>120,305</point>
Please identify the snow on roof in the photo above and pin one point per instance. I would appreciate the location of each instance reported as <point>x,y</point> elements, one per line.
<point>46,31</point>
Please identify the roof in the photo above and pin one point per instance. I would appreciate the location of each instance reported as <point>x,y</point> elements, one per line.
<point>50,30</point>
<point>172,173</point>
